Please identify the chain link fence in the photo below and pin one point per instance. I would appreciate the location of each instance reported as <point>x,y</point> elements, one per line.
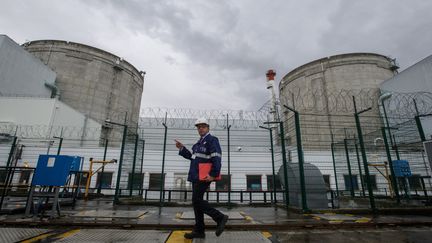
<point>326,152</point>
<point>358,151</point>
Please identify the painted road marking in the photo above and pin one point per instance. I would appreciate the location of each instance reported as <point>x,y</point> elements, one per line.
<point>363,220</point>
<point>337,218</point>
<point>266,234</point>
<point>38,238</point>
<point>67,234</point>
<point>52,236</point>
<point>178,236</point>
<point>230,236</point>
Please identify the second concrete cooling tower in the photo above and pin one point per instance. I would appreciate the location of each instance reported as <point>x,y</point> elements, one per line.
<point>324,89</point>
<point>353,71</point>
<point>97,83</point>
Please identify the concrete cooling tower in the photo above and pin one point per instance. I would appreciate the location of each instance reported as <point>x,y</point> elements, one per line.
<point>95,82</point>
<point>325,88</point>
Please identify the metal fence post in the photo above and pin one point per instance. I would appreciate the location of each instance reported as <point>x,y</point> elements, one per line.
<point>363,153</point>
<point>141,169</point>
<point>273,165</point>
<point>360,170</point>
<point>420,128</point>
<point>9,170</point>
<point>349,168</point>
<point>60,142</point>
<point>300,157</point>
<point>133,166</point>
<point>229,163</point>
<point>117,192</point>
<point>396,147</point>
<point>103,167</point>
<point>284,160</point>
<point>162,186</point>
<point>334,169</point>
<point>418,123</point>
<point>393,177</point>
<point>117,189</point>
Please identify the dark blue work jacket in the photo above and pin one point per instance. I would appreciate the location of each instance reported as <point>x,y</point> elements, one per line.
<point>206,150</point>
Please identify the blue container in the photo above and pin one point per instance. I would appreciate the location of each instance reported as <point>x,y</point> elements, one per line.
<point>401,168</point>
<point>53,170</point>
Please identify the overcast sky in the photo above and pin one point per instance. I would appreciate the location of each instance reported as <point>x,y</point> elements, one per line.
<point>208,54</point>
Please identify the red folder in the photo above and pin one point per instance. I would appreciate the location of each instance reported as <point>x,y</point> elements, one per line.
<point>204,170</point>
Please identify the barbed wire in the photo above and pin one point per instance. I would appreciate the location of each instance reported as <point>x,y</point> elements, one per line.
<point>330,101</point>
<point>185,118</point>
<point>403,104</point>
<point>341,101</point>
<point>399,108</point>
<point>14,95</point>
<point>45,131</point>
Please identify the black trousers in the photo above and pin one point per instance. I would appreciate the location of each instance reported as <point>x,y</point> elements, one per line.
<point>202,207</point>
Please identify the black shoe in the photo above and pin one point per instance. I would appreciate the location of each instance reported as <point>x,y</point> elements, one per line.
<point>194,234</point>
<point>221,225</point>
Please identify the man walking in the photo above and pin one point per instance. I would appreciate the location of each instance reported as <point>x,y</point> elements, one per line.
<point>206,151</point>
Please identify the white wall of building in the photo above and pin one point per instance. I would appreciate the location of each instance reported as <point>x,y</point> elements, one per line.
<point>416,78</point>
<point>30,111</point>
<point>21,73</point>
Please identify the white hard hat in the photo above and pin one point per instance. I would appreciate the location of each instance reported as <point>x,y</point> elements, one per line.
<point>201,121</point>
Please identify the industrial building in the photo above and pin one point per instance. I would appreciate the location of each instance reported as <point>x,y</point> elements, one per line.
<point>98,85</point>
<point>95,82</point>
<point>416,78</point>
<point>42,112</point>
<point>410,93</point>
<point>28,96</point>
<point>21,73</point>
<point>415,83</point>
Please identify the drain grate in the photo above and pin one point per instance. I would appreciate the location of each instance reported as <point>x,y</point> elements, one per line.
<point>234,237</point>
<point>109,214</point>
<point>231,215</point>
<point>18,234</point>
<point>115,235</point>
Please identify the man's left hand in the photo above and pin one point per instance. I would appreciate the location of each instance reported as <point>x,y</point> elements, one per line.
<point>209,178</point>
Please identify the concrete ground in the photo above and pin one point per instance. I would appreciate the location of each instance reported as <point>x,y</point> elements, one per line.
<point>100,221</point>
<point>394,235</point>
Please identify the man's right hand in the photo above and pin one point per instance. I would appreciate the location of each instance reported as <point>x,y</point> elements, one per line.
<point>178,144</point>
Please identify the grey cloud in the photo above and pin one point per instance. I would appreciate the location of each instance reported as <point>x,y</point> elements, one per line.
<point>394,28</point>
<point>229,45</point>
<point>219,45</point>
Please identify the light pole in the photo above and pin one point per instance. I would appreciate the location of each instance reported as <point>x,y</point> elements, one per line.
<point>229,160</point>
<point>384,133</point>
<point>60,142</point>
<point>162,177</point>
<point>334,168</point>
<point>131,185</point>
<point>273,166</point>
<point>117,189</point>
<point>141,168</point>
<point>103,168</point>
<point>418,122</point>
<point>363,153</point>
<point>284,160</point>
<point>381,100</point>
